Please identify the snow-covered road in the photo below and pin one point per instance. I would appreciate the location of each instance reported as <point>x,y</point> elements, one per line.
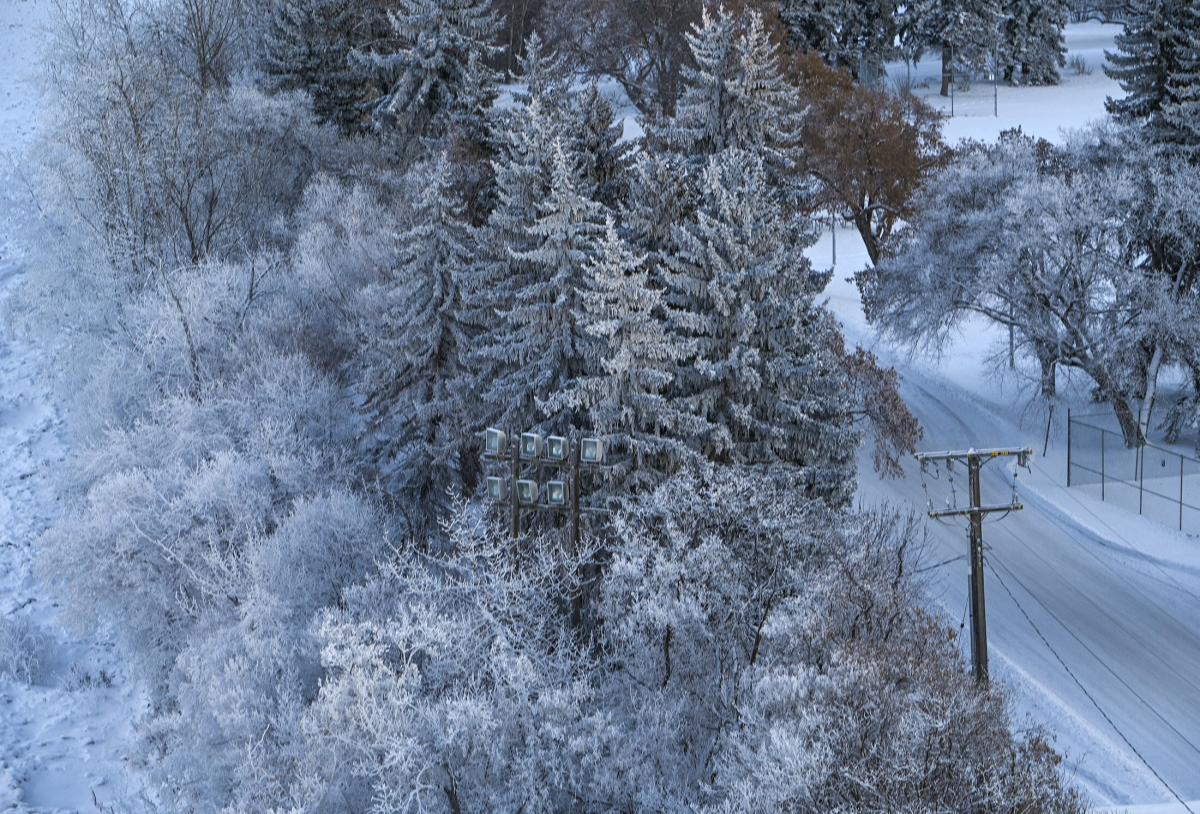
<point>1126,626</point>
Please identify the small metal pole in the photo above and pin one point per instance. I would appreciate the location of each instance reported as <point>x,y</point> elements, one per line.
<point>1181,493</point>
<point>1102,478</point>
<point>952,83</point>
<point>1141,467</point>
<point>1068,447</point>
<point>833,232</point>
<point>996,90</point>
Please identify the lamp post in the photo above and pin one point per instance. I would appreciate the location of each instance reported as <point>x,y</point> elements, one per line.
<point>524,491</point>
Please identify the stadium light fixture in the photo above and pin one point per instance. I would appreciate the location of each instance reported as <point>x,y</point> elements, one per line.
<point>556,448</point>
<point>527,492</point>
<point>497,489</point>
<point>495,442</point>
<point>531,446</point>
<point>556,493</point>
<point>591,451</point>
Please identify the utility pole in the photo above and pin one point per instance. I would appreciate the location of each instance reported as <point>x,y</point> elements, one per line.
<point>975,460</point>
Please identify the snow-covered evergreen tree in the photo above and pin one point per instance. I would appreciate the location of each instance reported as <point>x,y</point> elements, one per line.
<point>498,277</point>
<point>470,142</point>
<point>1032,48</point>
<point>427,70</point>
<point>307,48</point>
<point>599,145</point>
<point>857,36</point>
<point>636,358</point>
<point>763,381</point>
<point>551,351</point>
<point>735,96</point>
<point>414,365</point>
<point>1157,63</point>
<point>967,32</point>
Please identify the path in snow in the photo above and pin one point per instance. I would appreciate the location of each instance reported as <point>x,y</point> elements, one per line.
<point>63,736</point>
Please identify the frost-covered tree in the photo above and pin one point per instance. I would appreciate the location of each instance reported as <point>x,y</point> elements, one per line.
<point>540,334</point>
<point>856,36</point>
<point>763,380</point>
<point>1157,63</point>
<point>496,279</point>
<point>966,32</point>
<point>636,359</point>
<point>424,70</point>
<point>1032,49</point>
<point>414,345</point>
<point>600,144</point>
<point>307,47</point>
<point>1105,266</point>
<point>735,96</point>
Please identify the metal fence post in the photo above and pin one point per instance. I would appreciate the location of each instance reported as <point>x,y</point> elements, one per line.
<point>1102,478</point>
<point>1181,493</point>
<point>1141,469</point>
<point>1068,447</point>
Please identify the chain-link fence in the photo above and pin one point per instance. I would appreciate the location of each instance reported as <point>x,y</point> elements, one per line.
<point>1151,480</point>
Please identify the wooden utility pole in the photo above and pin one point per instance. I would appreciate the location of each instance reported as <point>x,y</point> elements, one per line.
<point>974,460</point>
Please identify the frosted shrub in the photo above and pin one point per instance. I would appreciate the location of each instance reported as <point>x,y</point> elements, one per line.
<point>23,648</point>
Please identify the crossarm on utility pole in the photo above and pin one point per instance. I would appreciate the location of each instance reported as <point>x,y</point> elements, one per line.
<point>975,459</point>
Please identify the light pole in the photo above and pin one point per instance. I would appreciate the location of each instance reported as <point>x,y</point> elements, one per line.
<point>525,491</point>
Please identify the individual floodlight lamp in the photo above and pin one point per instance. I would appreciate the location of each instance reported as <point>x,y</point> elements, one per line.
<point>556,493</point>
<point>527,492</point>
<point>591,451</point>
<point>495,442</point>
<point>497,489</point>
<point>531,446</point>
<point>556,448</point>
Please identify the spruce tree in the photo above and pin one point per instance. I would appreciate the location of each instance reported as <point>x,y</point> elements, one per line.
<point>551,349</point>
<point>1032,48</point>
<point>499,276</point>
<point>1157,63</point>
<point>625,383</point>
<point>598,141</point>
<point>428,68</point>
<point>414,370</point>
<point>856,36</point>
<point>307,47</point>
<point>735,96</point>
<point>966,31</point>
<point>763,383</point>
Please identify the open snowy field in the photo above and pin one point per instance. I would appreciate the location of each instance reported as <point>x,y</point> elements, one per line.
<point>1093,612</point>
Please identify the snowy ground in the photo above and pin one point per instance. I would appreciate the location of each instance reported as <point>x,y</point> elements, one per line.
<point>64,735</point>
<point>1090,607</point>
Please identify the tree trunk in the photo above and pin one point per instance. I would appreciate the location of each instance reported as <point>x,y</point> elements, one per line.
<point>947,69</point>
<point>1150,390</point>
<point>1049,378</point>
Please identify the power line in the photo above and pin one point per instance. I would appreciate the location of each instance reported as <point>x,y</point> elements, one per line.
<point>1084,689</point>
